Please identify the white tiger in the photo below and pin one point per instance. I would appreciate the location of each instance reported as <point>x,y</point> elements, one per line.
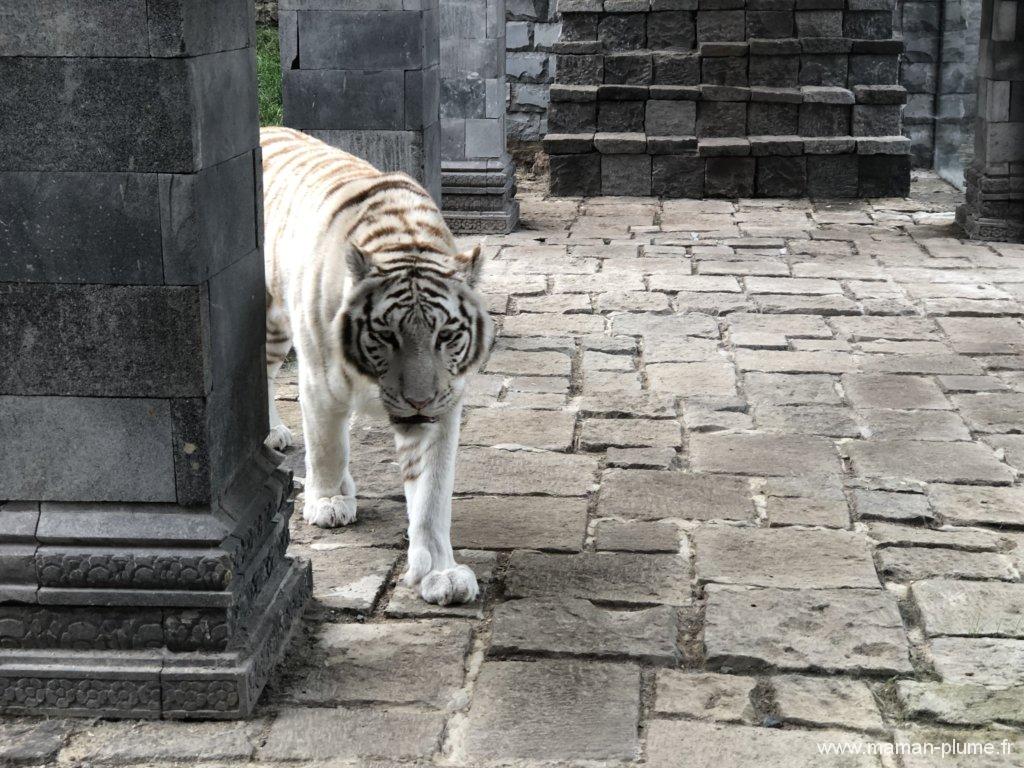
<point>364,278</point>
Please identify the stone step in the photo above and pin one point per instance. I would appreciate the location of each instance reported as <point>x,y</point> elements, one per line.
<point>859,94</point>
<point>637,143</point>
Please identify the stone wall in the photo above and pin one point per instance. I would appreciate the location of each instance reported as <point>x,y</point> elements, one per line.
<point>531,31</point>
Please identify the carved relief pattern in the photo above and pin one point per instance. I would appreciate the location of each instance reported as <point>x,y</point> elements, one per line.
<point>150,571</point>
<point>80,628</point>
<point>196,630</point>
<point>139,696</point>
<point>201,695</point>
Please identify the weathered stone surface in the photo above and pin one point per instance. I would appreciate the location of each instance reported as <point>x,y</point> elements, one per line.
<point>970,608</point>
<point>653,495</point>
<point>636,536</point>
<point>992,412</point>
<point>519,426</point>
<point>405,602</point>
<point>878,390</point>
<point>827,513</point>
<point>419,662</point>
<point>961,704</point>
<point>959,749</point>
<point>763,454</point>
<point>977,505</point>
<point>157,742</point>
<point>805,629</point>
<point>968,539</point>
<point>788,558</point>
<point>914,564</point>
<point>929,462</point>
<point>351,579</point>
<point>913,425</point>
<point>607,576</point>
<point>989,661</point>
<point>598,434</point>
<point>808,420</point>
<point>791,389</point>
<point>640,458</point>
<point>705,696</point>
<point>684,744</point>
<point>574,627</point>
<point>500,472</point>
<point>686,379</point>
<point>554,710</point>
<point>519,522</point>
<point>351,734</point>
<point>826,701</point>
<point>32,742</point>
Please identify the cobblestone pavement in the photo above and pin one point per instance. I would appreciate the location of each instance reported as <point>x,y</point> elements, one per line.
<point>740,481</point>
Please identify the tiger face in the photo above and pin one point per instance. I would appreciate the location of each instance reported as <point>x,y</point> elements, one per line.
<point>417,329</point>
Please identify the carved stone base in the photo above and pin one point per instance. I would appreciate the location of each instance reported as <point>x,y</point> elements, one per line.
<point>995,230</point>
<point>478,197</point>
<point>995,205</point>
<point>160,683</point>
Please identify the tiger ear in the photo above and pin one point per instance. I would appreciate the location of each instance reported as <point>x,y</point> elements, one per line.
<point>359,263</point>
<point>471,264</point>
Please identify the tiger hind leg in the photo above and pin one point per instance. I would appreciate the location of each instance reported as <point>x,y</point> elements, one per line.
<point>279,343</point>
<point>280,438</point>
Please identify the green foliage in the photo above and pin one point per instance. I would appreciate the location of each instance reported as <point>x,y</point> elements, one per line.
<point>268,75</point>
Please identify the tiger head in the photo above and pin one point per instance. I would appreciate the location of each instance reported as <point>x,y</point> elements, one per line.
<point>417,329</point>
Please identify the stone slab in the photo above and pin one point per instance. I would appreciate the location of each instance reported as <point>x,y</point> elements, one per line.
<point>830,702</point>
<point>705,696</point>
<point>805,630</point>
<point>553,710</point>
<point>763,454</point>
<point>949,607</point>
<point>652,495</point>
<point>928,461</point>
<point>989,661</point>
<point>519,522</point>
<point>616,577</point>
<point>574,627</point>
<point>501,472</point>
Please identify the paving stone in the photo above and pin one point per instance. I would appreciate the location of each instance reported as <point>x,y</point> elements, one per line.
<point>915,564</point>
<point>892,328</point>
<point>606,576</point>
<point>924,364</point>
<point>686,744</point>
<point>791,389</point>
<point>598,434</point>
<point>519,522</point>
<point>913,425</point>
<point>418,662</point>
<point>506,473</point>
<point>784,557</point>
<point>548,325</point>
<point>351,578</point>
<point>574,627</point>
<point>989,412</point>
<point>653,495</point>
<point>828,513</point>
<point>695,283</point>
<point>647,325</point>
<point>350,734</point>
<point>826,702</point>
<point>961,704</point>
<point>970,608</point>
<point>519,426</point>
<point>795,285</point>
<point>922,746</point>
<point>795,362</point>
<point>805,629</point>
<point>636,536</point>
<point>646,405</point>
<point>131,742</point>
<point>763,454</point>
<point>989,661</point>
<point>808,420</point>
<point>686,349</point>
<point>929,462</point>
<point>529,363</point>
<point>895,507</point>
<point>601,361</point>
<point>977,505</point>
<point>640,458</point>
<point>32,742</point>
<point>704,696</point>
<point>406,603</point>
<point>968,539</point>
<point>697,419</point>
<point>553,710</point>
<point>879,390</point>
<point>804,326</point>
<point>984,335</point>
<point>686,379</point>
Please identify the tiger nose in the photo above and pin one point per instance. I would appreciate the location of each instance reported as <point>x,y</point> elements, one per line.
<point>419,405</point>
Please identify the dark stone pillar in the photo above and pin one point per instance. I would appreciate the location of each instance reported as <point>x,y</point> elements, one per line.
<point>365,80</point>
<point>143,526</point>
<point>995,179</point>
<point>477,174</point>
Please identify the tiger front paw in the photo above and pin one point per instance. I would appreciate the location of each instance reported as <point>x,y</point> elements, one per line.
<point>330,512</point>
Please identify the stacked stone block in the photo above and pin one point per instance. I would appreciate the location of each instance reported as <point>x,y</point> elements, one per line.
<point>995,180</point>
<point>364,77</point>
<point>477,175</point>
<point>728,98</point>
<point>143,526</point>
<point>531,32</point>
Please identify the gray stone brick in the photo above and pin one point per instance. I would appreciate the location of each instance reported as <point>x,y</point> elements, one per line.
<point>876,120</point>
<point>579,70</point>
<point>677,176</point>
<point>824,119</point>
<point>870,25</point>
<point>769,24</point>
<point>781,176</point>
<point>576,174</point>
<point>832,176</point>
<point>824,69</point>
<point>628,68</point>
<point>670,118</point>
<point>670,30</point>
<point>721,119</point>
<point>361,100</point>
<point>623,31</point>
<point>626,175</point>
<point>873,69</point>
<point>717,26</point>
<point>729,177</point>
<point>572,117</point>
<point>774,71</point>
<point>773,119</point>
<point>620,116</point>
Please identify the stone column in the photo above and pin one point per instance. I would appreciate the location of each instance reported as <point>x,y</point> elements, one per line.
<point>478,177</point>
<point>365,79</point>
<point>995,179</point>
<point>143,526</point>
